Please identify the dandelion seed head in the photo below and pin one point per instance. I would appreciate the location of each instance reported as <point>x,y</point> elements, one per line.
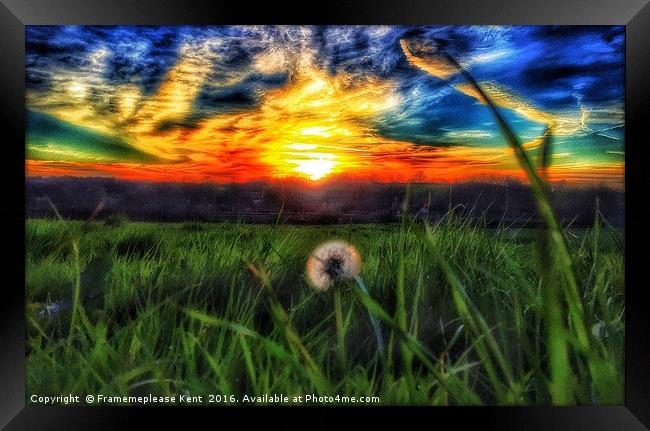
<point>331,262</point>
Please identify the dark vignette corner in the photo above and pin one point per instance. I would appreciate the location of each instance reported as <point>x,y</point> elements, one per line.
<point>637,345</point>
<point>12,315</point>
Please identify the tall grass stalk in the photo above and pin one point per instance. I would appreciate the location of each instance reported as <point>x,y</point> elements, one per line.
<point>554,260</point>
<point>539,188</point>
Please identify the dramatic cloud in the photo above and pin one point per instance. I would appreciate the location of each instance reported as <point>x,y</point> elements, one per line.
<point>240,103</point>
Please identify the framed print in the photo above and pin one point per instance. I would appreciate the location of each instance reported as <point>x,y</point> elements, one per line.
<point>374,207</point>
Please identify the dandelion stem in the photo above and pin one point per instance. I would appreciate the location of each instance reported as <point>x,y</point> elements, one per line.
<point>373,321</point>
<point>340,333</point>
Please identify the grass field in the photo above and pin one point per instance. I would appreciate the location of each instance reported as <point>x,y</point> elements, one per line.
<point>470,315</point>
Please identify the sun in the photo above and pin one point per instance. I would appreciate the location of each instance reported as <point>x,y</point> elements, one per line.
<point>310,160</point>
<point>315,167</point>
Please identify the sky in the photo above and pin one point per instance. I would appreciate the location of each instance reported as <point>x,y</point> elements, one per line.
<point>248,103</point>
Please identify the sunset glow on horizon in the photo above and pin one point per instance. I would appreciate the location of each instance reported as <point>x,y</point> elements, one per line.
<point>238,104</point>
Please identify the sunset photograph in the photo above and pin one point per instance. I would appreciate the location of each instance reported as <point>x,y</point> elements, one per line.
<point>317,215</point>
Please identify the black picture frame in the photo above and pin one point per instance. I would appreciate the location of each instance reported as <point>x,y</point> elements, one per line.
<point>634,14</point>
